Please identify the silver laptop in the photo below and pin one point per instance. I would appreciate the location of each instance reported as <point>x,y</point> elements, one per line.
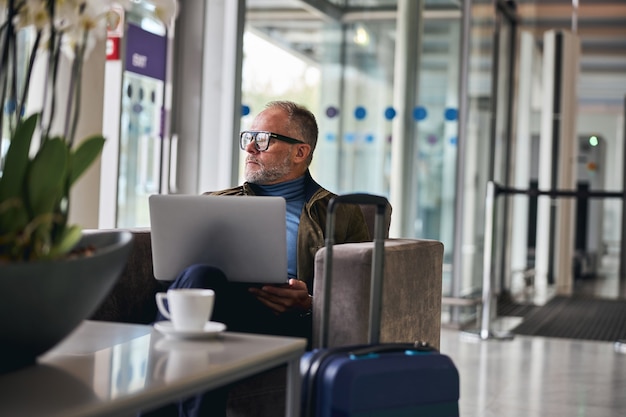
<point>244,236</point>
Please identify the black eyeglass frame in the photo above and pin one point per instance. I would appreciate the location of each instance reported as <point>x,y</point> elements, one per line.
<point>273,135</point>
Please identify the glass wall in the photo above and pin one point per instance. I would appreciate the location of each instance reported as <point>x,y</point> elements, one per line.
<point>356,101</point>
<point>488,139</point>
<point>295,78</point>
<point>352,54</point>
<point>345,74</point>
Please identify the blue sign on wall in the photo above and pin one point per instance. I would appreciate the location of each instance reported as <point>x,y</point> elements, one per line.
<point>390,113</point>
<point>360,113</point>
<point>146,52</point>
<point>420,113</point>
<point>451,114</point>
<point>332,111</point>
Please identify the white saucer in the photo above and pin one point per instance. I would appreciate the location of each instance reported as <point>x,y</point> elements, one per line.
<point>211,329</point>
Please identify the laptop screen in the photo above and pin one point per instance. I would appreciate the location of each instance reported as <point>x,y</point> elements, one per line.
<point>244,236</point>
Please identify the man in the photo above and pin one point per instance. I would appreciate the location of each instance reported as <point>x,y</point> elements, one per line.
<point>279,146</point>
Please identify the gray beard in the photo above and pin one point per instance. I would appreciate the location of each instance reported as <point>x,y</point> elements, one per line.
<point>266,175</point>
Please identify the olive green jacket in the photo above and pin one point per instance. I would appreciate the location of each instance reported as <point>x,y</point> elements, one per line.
<point>350,224</point>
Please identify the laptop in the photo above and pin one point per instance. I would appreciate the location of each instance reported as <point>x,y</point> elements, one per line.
<point>244,236</point>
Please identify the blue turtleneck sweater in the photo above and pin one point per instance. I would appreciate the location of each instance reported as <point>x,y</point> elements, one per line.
<point>293,193</point>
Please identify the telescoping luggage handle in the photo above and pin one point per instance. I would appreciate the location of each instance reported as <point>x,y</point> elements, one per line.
<point>381,204</point>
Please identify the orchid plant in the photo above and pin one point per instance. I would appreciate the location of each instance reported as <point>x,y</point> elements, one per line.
<point>43,160</point>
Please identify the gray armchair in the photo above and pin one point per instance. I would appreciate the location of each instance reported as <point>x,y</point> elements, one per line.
<point>411,304</point>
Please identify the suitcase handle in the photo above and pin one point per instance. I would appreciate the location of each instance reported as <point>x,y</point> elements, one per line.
<point>359,198</point>
<point>381,204</point>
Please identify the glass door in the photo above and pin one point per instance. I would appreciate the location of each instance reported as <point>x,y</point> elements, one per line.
<point>489,139</point>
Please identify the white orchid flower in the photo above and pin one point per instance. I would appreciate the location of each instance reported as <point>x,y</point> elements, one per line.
<point>93,17</point>
<point>82,23</point>
<point>66,14</point>
<point>33,13</point>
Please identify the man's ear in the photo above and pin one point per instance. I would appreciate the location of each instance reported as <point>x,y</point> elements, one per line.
<point>303,152</point>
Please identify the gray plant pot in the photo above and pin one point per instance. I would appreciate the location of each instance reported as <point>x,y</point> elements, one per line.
<point>42,302</point>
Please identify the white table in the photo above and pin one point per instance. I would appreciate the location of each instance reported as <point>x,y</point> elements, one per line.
<point>114,369</point>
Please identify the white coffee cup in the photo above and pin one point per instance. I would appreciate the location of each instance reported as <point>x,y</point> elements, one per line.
<point>188,308</point>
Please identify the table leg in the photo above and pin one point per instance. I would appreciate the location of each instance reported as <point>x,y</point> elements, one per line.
<point>294,384</point>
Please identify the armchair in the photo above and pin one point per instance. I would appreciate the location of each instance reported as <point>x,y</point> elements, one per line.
<point>411,303</point>
<point>411,306</point>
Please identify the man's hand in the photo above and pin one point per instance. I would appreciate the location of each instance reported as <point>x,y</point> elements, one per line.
<point>292,297</point>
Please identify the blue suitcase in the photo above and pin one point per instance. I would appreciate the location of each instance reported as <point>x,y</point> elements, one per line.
<point>374,380</point>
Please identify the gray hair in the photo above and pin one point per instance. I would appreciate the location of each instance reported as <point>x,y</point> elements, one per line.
<point>300,120</point>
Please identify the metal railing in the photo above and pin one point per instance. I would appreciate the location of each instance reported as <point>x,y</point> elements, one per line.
<point>493,191</point>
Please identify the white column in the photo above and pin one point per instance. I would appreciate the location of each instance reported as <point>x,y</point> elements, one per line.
<point>521,174</point>
<point>555,217</point>
<point>402,183</point>
<point>85,194</point>
<point>220,116</point>
<point>110,154</point>
<point>206,109</point>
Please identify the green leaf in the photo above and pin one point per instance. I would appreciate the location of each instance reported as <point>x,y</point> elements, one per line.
<point>66,242</point>
<point>16,159</point>
<point>13,215</point>
<point>83,157</point>
<point>47,176</point>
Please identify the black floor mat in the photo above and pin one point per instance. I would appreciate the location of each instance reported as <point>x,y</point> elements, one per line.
<point>510,308</point>
<point>577,318</point>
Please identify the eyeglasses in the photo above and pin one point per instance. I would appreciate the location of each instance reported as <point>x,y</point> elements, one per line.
<point>262,139</point>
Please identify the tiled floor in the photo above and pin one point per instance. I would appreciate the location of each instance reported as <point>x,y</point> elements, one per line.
<point>538,376</point>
